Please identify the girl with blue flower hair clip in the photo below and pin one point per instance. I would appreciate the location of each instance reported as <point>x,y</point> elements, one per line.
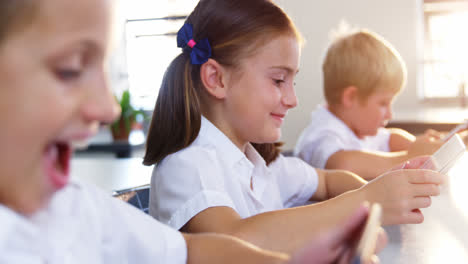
<point>215,132</point>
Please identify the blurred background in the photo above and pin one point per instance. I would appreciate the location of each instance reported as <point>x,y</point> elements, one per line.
<point>429,34</point>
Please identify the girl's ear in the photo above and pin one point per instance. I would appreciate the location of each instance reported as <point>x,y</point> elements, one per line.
<point>349,96</point>
<point>212,77</point>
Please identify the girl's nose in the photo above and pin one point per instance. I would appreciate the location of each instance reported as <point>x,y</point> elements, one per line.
<point>100,103</point>
<point>289,97</point>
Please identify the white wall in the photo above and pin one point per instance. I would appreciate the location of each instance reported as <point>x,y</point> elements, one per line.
<point>399,21</point>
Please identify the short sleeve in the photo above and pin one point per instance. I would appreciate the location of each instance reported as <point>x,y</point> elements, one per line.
<point>296,179</point>
<point>318,150</point>
<point>186,183</point>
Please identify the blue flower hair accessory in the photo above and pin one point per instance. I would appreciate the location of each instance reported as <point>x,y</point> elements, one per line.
<point>200,51</point>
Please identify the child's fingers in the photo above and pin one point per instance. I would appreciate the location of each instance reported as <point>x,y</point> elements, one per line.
<point>425,190</point>
<point>323,249</point>
<point>416,163</point>
<point>333,244</point>
<point>414,217</point>
<point>399,166</point>
<point>433,133</point>
<point>420,202</point>
<point>345,257</point>
<point>373,260</point>
<point>429,165</point>
<point>382,240</point>
<point>346,230</point>
<point>424,176</point>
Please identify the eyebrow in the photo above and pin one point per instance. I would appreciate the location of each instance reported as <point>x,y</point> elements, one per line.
<point>289,70</point>
<point>84,45</point>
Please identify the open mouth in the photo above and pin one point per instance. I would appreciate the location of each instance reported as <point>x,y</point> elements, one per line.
<point>56,161</point>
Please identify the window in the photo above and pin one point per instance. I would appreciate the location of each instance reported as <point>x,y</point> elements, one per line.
<point>445,49</point>
<point>150,44</point>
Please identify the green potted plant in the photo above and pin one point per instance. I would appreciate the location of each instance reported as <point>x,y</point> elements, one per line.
<point>121,127</point>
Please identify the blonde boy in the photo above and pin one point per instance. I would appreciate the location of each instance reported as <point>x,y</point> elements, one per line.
<point>362,75</point>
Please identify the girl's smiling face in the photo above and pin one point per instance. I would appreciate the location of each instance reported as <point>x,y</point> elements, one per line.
<point>53,92</point>
<point>262,92</point>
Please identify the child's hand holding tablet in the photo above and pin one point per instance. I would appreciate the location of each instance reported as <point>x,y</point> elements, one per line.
<point>446,156</point>
<point>457,129</point>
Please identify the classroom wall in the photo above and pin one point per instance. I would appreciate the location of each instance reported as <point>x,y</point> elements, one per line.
<point>399,21</point>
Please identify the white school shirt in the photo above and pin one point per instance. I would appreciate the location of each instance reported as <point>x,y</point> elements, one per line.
<point>326,134</point>
<point>83,225</point>
<point>212,171</point>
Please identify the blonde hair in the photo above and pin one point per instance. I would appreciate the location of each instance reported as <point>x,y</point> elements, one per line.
<point>363,59</point>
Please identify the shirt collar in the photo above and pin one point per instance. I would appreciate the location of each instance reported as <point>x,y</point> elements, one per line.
<point>260,172</point>
<point>211,135</point>
<point>254,157</point>
<point>250,166</point>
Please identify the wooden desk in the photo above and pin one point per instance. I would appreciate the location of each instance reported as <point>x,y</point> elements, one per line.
<point>111,174</point>
<point>443,237</point>
<point>417,121</point>
<point>418,127</point>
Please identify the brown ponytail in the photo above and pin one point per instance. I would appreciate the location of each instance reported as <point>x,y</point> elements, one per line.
<point>177,117</point>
